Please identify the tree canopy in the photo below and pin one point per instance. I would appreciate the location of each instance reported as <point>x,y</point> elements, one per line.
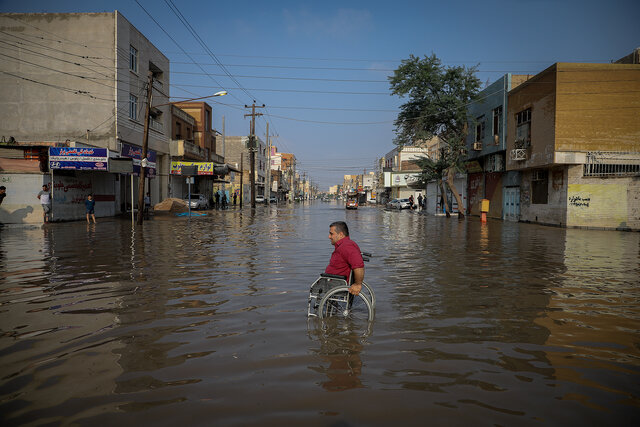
<point>438,97</point>
<point>438,101</point>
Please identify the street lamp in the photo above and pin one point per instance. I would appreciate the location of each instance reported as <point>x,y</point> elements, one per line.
<point>221,93</point>
<point>145,139</point>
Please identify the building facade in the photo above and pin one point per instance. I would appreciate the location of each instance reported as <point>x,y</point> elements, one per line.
<point>574,135</point>
<point>486,147</point>
<point>95,100</point>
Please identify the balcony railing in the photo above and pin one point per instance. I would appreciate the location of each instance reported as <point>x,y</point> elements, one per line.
<point>155,124</point>
<point>609,163</point>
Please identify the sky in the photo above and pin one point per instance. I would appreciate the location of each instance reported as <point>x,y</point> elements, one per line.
<point>321,68</point>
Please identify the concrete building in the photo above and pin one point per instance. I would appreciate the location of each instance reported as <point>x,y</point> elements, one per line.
<point>574,135</point>
<point>79,80</point>
<point>290,176</point>
<point>486,147</point>
<point>401,173</point>
<point>238,155</point>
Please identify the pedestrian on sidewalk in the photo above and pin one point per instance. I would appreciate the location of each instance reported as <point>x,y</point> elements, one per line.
<point>420,201</point>
<point>217,197</point>
<point>3,193</point>
<point>90,205</point>
<point>45,201</point>
<point>224,200</point>
<point>235,198</point>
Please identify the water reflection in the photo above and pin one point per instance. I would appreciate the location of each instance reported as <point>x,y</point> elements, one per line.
<point>502,322</point>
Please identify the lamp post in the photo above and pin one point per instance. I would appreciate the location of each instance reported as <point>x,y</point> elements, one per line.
<point>145,140</point>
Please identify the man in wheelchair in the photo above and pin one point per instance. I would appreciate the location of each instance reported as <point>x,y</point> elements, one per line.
<point>341,289</point>
<point>346,256</point>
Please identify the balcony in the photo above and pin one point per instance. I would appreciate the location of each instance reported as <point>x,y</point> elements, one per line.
<point>518,154</point>
<point>188,150</point>
<point>156,125</point>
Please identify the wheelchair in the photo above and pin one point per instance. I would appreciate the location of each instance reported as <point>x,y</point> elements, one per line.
<point>329,297</point>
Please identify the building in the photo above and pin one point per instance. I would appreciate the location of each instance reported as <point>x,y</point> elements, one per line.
<point>486,148</point>
<point>290,176</point>
<point>574,135</point>
<point>78,80</point>
<point>238,155</point>
<point>401,173</point>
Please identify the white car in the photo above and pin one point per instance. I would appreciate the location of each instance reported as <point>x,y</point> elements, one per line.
<point>400,204</point>
<point>198,201</point>
<point>259,198</point>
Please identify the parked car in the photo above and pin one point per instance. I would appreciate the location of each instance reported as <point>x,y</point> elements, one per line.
<point>352,204</point>
<point>198,201</point>
<point>400,204</point>
<point>259,198</point>
<point>391,204</point>
<point>273,199</point>
<point>404,204</point>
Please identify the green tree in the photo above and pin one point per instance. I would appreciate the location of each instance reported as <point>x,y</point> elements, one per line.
<point>438,97</point>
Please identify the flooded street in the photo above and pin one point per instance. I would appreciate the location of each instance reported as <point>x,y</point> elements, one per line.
<point>203,321</point>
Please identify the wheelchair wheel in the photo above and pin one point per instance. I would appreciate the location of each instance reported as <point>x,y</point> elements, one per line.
<point>372,297</point>
<point>338,302</point>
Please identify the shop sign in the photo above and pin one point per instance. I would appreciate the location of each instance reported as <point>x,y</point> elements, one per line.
<point>204,168</point>
<point>78,158</point>
<point>134,152</point>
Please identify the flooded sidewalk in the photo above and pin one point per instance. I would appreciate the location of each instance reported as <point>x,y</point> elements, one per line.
<point>204,320</point>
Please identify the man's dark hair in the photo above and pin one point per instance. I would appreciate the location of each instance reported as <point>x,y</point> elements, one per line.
<point>341,227</point>
<point>2,187</point>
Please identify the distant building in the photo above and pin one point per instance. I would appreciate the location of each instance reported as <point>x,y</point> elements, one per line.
<point>238,155</point>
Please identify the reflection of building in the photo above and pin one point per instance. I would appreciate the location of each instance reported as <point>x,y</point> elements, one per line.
<point>573,133</point>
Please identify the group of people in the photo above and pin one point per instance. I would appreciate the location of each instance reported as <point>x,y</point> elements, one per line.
<point>221,201</point>
<point>45,201</point>
<point>422,201</point>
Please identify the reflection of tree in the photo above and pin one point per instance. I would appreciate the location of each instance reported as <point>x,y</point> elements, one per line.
<point>340,348</point>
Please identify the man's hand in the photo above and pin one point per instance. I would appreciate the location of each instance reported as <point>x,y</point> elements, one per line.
<point>355,289</point>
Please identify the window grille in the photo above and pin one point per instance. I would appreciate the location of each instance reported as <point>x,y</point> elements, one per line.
<point>612,163</point>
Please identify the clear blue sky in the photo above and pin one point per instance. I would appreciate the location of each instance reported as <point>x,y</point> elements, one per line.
<point>302,50</point>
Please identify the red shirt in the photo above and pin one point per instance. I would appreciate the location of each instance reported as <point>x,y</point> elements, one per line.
<point>345,257</point>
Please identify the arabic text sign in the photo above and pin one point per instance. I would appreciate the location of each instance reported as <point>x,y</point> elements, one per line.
<point>78,158</point>
<point>134,152</point>
<point>204,168</point>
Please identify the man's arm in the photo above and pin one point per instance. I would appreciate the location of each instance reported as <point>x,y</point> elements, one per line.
<point>358,277</point>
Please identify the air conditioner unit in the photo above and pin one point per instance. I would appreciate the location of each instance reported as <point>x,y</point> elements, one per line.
<point>477,146</point>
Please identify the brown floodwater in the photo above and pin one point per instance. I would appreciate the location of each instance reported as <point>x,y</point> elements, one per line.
<point>203,321</point>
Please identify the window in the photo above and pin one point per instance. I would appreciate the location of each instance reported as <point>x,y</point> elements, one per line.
<point>497,124</point>
<point>133,107</point>
<point>178,130</point>
<point>157,74</point>
<point>523,128</point>
<point>133,59</point>
<point>207,120</point>
<point>539,187</point>
<point>480,129</point>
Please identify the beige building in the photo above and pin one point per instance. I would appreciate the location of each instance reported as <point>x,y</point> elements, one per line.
<point>574,134</point>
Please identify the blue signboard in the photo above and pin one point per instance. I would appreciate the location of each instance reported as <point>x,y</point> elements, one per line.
<point>78,158</point>
<point>134,152</point>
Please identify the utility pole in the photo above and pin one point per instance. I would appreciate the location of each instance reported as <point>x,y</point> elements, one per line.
<point>268,186</point>
<point>241,176</point>
<point>253,146</point>
<point>145,144</point>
